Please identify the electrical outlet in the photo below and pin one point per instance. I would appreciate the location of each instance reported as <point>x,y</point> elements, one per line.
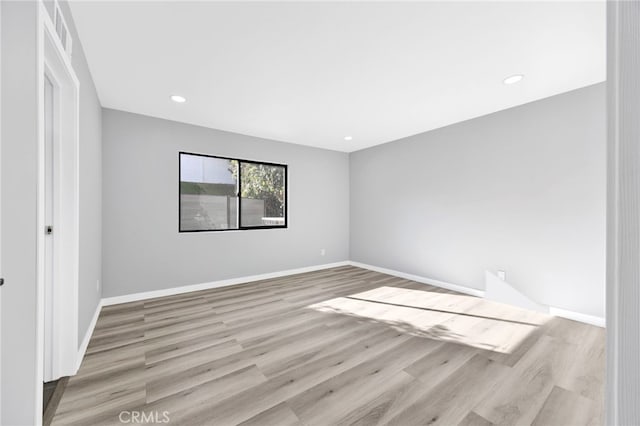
<point>502,275</point>
<point>322,252</point>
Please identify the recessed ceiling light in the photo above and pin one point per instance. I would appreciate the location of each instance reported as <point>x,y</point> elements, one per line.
<point>179,99</point>
<point>513,79</point>
<point>348,138</point>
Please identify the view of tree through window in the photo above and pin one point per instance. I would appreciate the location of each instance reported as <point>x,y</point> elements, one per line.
<point>214,197</point>
<point>265,183</point>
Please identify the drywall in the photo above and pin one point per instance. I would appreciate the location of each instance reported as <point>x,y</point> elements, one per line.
<point>19,192</point>
<point>521,190</point>
<point>21,399</point>
<point>498,290</point>
<point>142,249</point>
<point>623,213</point>
<point>90,181</point>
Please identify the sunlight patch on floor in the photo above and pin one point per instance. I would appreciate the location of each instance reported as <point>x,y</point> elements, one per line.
<point>467,320</point>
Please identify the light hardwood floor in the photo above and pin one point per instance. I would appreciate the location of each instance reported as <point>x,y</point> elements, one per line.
<point>339,346</point>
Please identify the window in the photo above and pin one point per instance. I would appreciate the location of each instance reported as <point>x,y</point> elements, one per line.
<point>221,194</point>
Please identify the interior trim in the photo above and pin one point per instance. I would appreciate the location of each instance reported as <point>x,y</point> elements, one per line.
<point>87,336</point>
<point>420,279</point>
<point>215,284</point>
<point>107,301</point>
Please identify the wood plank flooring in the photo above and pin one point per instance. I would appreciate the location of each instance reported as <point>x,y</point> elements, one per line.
<point>333,347</point>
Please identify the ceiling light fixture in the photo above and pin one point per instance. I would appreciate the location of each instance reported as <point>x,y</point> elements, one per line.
<point>348,138</point>
<point>179,99</point>
<point>513,79</point>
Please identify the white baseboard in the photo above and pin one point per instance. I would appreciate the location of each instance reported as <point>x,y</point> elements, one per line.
<point>577,316</point>
<point>499,290</point>
<point>186,289</point>
<point>215,284</point>
<point>87,336</point>
<point>424,280</point>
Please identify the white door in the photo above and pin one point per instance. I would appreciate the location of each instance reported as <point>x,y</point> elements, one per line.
<point>58,208</point>
<point>49,138</point>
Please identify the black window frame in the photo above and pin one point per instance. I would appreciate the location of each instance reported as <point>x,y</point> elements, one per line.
<point>240,161</point>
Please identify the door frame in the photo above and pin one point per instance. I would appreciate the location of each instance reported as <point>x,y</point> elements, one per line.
<point>54,61</point>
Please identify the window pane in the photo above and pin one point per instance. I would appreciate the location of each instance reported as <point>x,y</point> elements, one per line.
<point>208,193</point>
<point>263,194</point>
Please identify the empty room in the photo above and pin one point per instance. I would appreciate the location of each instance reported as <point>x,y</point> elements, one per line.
<point>319,213</point>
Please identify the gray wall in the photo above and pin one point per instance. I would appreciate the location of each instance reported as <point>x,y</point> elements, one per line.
<point>90,185</point>
<point>142,249</point>
<point>521,190</point>
<point>18,170</point>
<point>623,214</point>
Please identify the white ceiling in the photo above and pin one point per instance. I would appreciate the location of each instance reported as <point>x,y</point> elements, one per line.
<point>313,73</point>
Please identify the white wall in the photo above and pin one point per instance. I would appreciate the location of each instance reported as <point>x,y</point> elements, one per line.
<point>521,190</point>
<point>19,385</point>
<point>142,249</point>
<point>90,181</point>
<point>18,192</point>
